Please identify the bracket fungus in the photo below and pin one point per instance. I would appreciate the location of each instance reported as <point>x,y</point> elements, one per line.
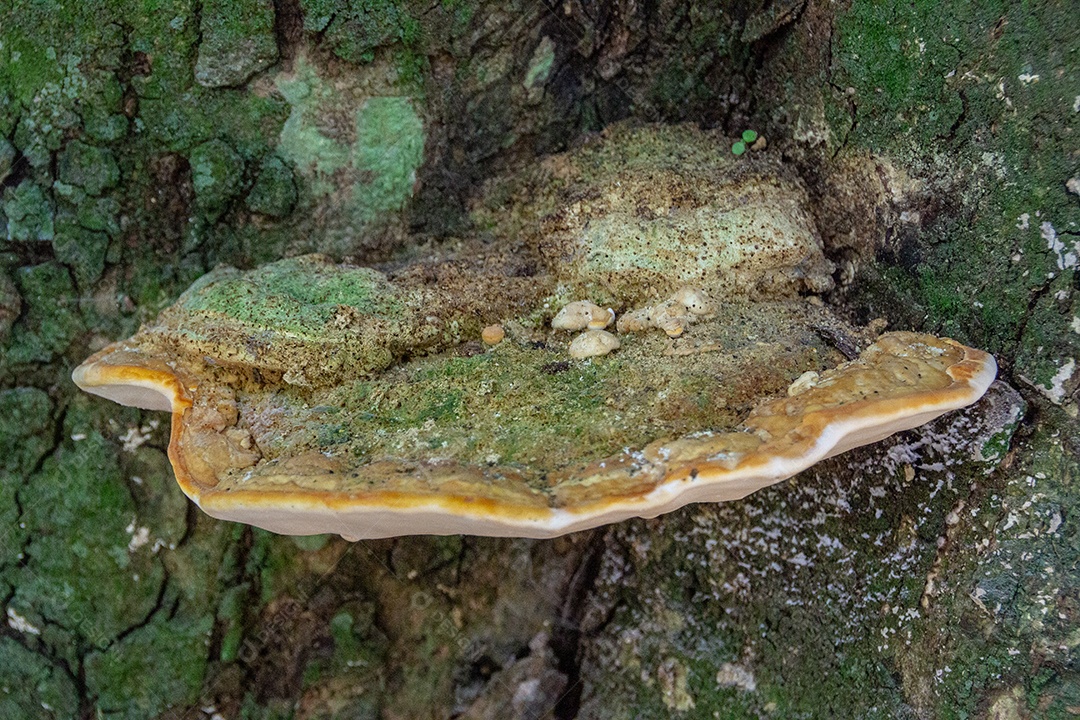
<point>499,443</point>
<point>309,397</point>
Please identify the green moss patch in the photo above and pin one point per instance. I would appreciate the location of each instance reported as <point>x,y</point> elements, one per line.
<point>156,667</point>
<point>976,100</point>
<point>32,687</point>
<point>534,406</point>
<point>297,296</point>
<point>85,573</point>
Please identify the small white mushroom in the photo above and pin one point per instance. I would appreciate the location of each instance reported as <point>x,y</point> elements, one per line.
<point>803,383</point>
<point>593,343</point>
<point>695,301</point>
<point>582,314</point>
<point>669,316</point>
<point>599,323</point>
<point>634,321</point>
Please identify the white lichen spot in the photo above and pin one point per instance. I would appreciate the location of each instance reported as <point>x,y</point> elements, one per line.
<point>139,536</point>
<point>800,560</point>
<point>136,437</point>
<point>1075,324</point>
<point>527,692</point>
<point>1073,185</point>
<point>1022,221</point>
<point>1055,523</point>
<point>1066,258</point>
<point>1027,78</point>
<point>1001,93</point>
<point>1056,390</point>
<point>19,623</point>
<point>732,675</point>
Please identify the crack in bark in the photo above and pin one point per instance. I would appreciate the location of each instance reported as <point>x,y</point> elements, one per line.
<point>853,108</point>
<point>1037,295</point>
<point>19,171</point>
<point>58,439</point>
<point>159,603</point>
<point>196,18</point>
<point>288,31</point>
<point>566,635</point>
<point>960,119</point>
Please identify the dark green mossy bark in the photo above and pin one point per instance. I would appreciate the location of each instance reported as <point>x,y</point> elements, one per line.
<point>141,144</point>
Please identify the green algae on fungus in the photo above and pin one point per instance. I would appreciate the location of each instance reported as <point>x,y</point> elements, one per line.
<point>651,209</point>
<point>517,404</point>
<point>309,397</point>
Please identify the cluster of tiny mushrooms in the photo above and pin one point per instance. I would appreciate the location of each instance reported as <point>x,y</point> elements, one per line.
<point>671,315</point>
<point>196,361</point>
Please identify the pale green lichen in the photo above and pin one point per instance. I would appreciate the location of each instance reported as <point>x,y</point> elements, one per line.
<point>312,151</point>
<point>389,149</point>
<point>539,69</point>
<point>357,147</point>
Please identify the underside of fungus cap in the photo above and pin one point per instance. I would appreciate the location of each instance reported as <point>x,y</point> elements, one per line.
<point>357,461</point>
<point>131,378</point>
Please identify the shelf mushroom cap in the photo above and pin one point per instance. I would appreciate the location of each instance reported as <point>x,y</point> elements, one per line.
<point>899,382</point>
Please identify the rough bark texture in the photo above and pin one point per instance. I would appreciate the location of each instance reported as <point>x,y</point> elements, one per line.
<point>933,575</point>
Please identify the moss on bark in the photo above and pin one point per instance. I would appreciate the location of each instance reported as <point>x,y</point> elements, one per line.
<point>143,143</point>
